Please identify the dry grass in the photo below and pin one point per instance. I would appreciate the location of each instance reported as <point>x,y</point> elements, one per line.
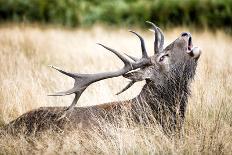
<point>25,81</point>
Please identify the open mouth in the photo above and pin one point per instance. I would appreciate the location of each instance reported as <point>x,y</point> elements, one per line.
<point>194,52</point>
<point>190,44</point>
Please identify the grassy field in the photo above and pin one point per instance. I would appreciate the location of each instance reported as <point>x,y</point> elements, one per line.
<point>26,79</point>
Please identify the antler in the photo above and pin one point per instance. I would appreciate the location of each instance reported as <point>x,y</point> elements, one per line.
<point>157,31</point>
<point>157,49</point>
<point>82,81</point>
<point>144,56</point>
<point>161,40</point>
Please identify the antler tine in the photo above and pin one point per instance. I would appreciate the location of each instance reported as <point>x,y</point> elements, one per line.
<point>132,58</point>
<point>74,102</point>
<point>144,52</point>
<point>156,48</point>
<point>62,71</point>
<point>124,60</point>
<point>127,87</point>
<point>76,98</point>
<point>161,40</point>
<point>68,92</point>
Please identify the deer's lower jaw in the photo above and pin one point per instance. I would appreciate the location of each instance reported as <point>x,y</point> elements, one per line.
<point>195,52</point>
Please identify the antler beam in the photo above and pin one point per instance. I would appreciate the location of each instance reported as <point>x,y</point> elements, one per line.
<point>82,81</point>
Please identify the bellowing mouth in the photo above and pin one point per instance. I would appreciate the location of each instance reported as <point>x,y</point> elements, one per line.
<point>189,41</point>
<point>190,44</point>
<point>194,52</point>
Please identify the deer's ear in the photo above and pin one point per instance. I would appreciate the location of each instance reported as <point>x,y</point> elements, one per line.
<point>139,75</point>
<point>135,75</point>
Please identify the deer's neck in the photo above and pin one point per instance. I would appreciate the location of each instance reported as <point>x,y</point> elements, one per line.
<point>170,92</point>
<point>171,95</point>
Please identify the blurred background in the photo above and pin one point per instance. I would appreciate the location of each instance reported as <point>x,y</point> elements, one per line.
<point>213,14</point>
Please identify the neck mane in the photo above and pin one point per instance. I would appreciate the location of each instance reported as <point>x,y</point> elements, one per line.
<point>167,100</point>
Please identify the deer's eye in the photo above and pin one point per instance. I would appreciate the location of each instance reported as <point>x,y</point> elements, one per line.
<point>163,57</point>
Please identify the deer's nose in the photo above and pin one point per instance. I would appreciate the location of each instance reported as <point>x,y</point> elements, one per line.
<point>185,34</point>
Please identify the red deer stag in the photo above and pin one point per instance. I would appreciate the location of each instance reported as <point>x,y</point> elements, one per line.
<point>167,73</point>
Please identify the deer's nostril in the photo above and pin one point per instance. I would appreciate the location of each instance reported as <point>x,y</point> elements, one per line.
<point>184,34</point>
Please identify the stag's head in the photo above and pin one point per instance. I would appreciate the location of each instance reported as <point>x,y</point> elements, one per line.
<point>177,60</point>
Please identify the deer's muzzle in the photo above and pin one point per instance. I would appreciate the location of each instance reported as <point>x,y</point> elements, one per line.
<point>194,52</point>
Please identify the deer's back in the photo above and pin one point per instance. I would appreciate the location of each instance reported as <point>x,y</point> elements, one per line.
<point>56,118</point>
